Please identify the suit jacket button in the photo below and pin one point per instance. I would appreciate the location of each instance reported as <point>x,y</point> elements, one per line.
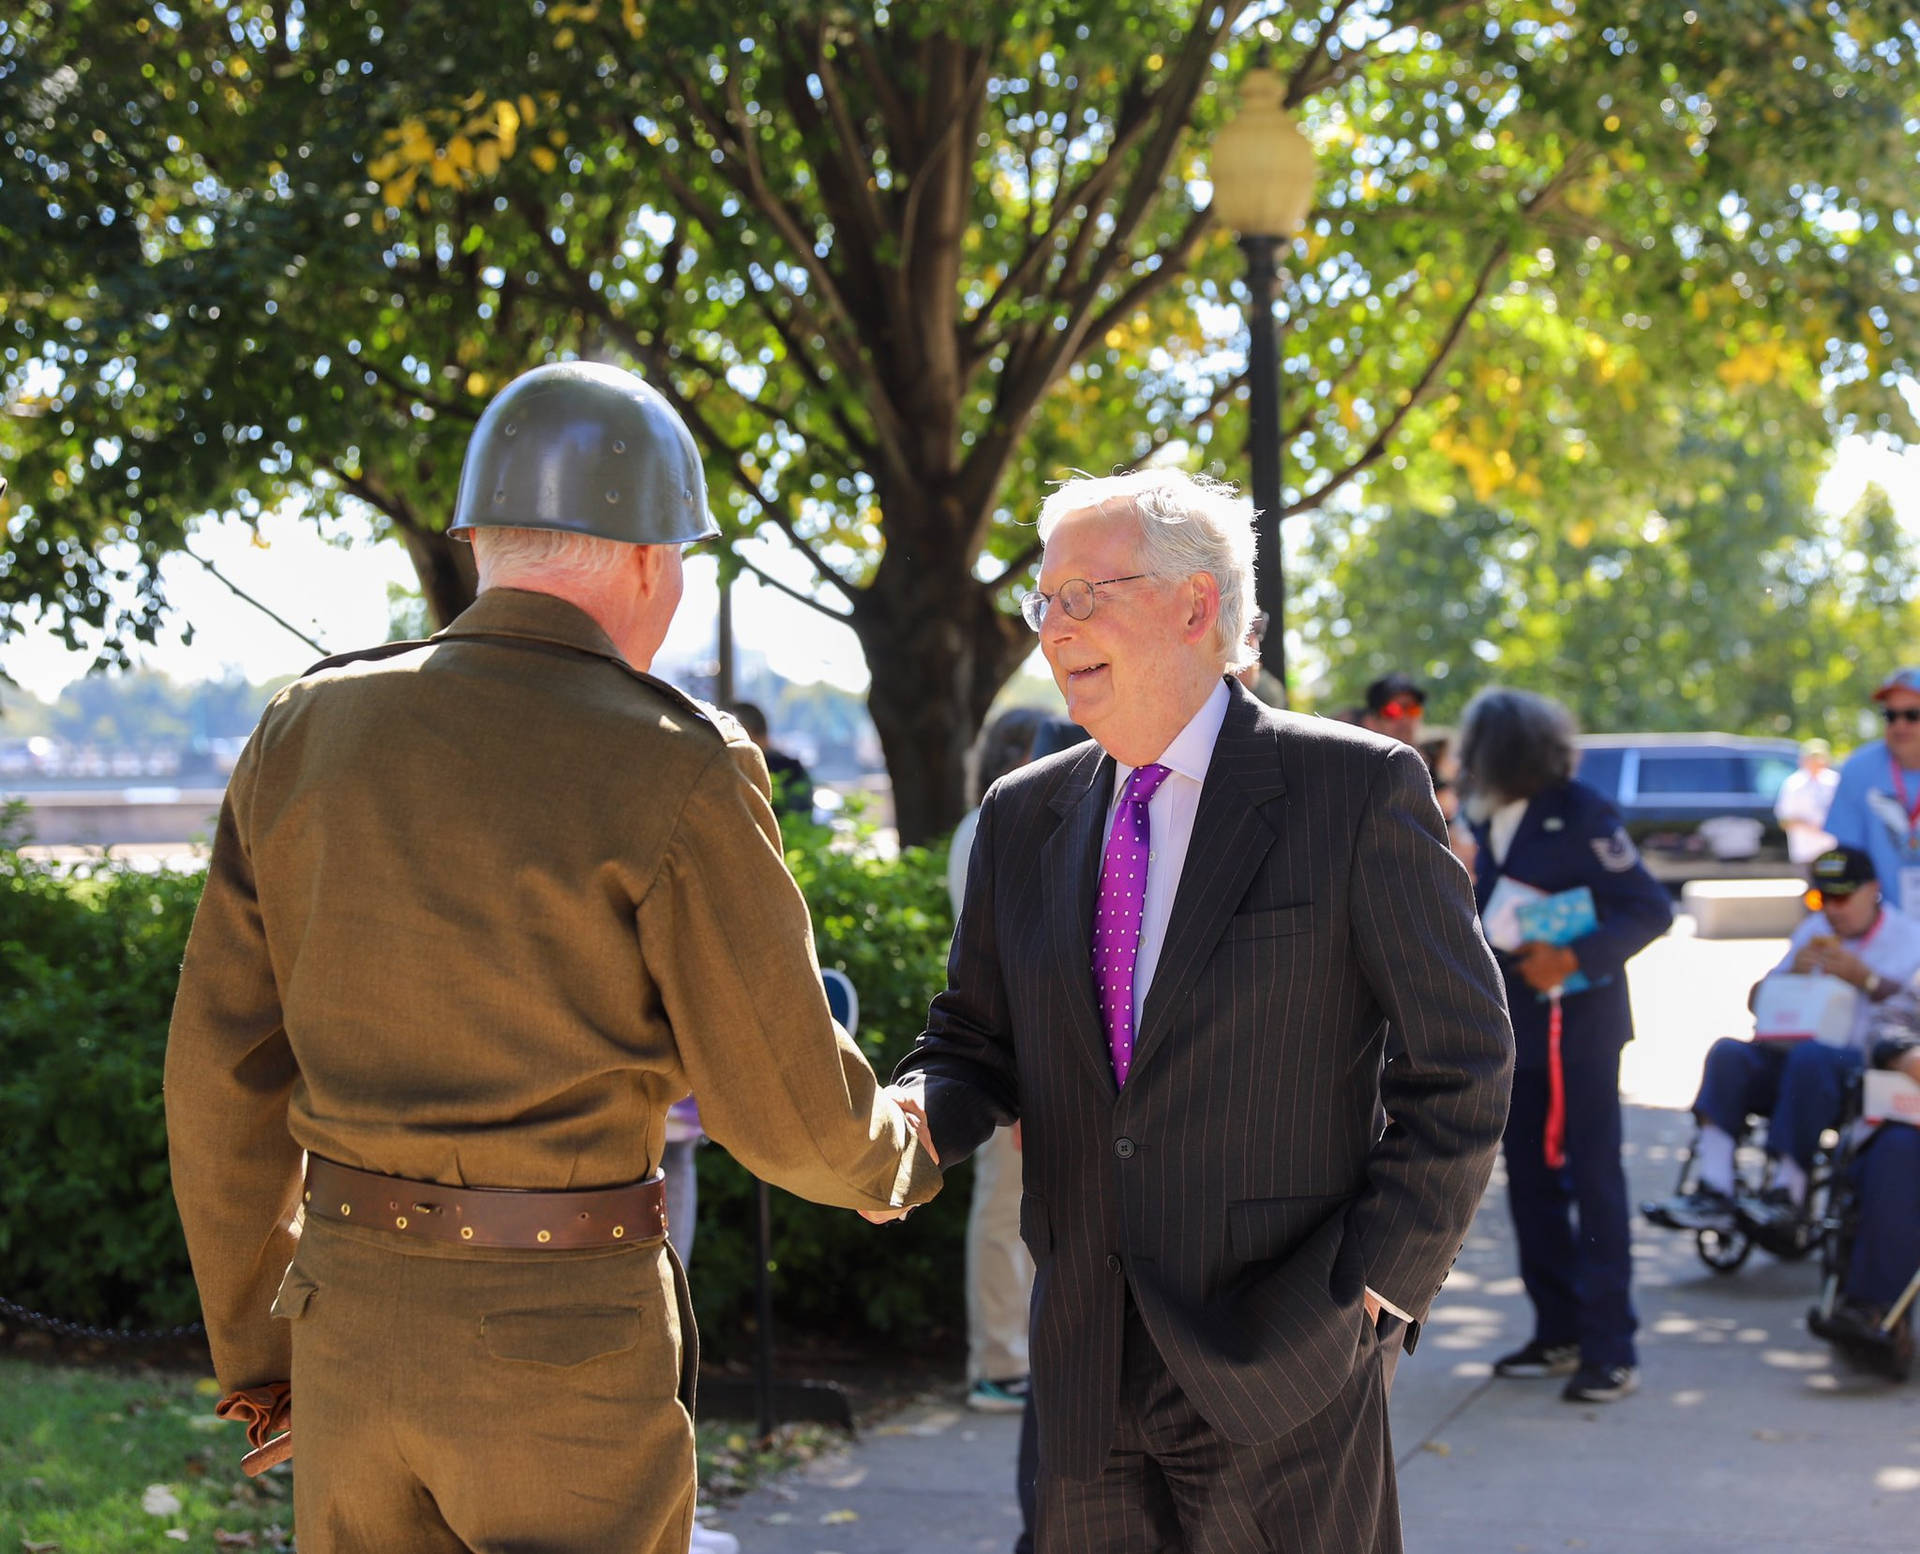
<point>1113,1262</point>
<point>1123,1147</point>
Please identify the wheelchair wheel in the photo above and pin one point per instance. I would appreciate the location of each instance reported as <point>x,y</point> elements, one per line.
<point>1723,1250</point>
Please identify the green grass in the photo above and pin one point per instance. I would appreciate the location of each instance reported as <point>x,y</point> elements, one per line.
<point>81,1447</point>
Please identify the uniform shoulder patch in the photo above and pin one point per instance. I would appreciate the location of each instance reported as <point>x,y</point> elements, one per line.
<point>1616,853</point>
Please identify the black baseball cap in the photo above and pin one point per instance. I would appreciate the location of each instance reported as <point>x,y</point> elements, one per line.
<point>1840,871</point>
<point>1393,687</point>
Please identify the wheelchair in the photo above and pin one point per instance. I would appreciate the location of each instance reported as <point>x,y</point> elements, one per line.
<point>1838,1227</point>
<point>1726,1251</point>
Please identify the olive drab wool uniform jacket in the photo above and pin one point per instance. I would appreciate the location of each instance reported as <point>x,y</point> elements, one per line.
<point>478,912</point>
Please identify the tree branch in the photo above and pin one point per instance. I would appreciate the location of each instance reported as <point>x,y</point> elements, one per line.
<point>1390,428</point>
<point>842,616</point>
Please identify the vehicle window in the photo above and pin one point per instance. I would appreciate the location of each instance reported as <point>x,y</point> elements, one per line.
<point>1769,772</point>
<point>1697,772</point>
<point>1601,769</point>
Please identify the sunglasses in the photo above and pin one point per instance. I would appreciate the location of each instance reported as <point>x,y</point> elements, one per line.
<point>1412,709</point>
<point>1895,715</point>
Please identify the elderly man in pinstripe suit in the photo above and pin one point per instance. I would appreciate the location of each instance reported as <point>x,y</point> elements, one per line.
<point>1179,955</point>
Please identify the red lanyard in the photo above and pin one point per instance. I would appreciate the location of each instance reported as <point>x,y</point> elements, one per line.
<point>1900,791</point>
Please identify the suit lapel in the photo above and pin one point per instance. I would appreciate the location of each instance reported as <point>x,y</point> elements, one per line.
<point>1230,843</point>
<point>1070,871</point>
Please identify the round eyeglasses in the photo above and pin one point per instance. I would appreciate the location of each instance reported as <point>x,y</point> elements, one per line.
<point>1075,595</point>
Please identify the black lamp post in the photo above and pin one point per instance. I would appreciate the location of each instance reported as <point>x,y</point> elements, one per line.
<point>1263,174</point>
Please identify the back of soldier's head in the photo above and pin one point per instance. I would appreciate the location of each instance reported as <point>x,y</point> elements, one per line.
<point>571,459</point>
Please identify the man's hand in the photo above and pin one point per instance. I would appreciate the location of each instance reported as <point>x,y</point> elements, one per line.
<point>1825,954</point>
<point>1547,966</point>
<point>917,1121</point>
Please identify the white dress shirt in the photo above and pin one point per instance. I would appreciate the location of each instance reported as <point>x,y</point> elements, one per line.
<point>1170,816</point>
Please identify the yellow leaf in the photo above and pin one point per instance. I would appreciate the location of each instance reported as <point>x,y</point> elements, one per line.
<point>237,67</point>
<point>631,19</point>
<point>443,174</point>
<point>544,159</point>
<point>470,103</point>
<point>526,109</point>
<point>476,384</point>
<point>563,39</point>
<point>460,153</point>
<point>486,157</point>
<point>380,169</point>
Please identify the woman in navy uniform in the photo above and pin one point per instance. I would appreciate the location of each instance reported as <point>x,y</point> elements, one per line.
<point>1537,826</point>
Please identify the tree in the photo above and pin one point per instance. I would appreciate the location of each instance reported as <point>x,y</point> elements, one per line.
<point>1737,606</point>
<point>901,266</point>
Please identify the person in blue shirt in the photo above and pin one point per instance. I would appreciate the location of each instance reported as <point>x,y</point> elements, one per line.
<point>1877,805</point>
<point>1537,826</point>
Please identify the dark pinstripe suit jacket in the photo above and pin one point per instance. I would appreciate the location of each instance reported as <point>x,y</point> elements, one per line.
<point>1238,1183</point>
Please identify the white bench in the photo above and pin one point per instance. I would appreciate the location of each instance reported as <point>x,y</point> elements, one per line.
<point>1744,909</point>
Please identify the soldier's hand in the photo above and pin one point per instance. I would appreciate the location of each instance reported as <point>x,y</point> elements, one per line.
<point>917,1120</point>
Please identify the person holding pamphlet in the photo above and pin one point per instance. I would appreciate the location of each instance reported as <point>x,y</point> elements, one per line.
<point>1566,903</point>
<point>1812,1017</point>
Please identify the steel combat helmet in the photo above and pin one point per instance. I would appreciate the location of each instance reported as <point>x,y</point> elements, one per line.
<point>587,449</point>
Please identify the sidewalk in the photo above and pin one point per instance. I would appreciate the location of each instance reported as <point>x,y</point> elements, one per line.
<point>1745,1435</point>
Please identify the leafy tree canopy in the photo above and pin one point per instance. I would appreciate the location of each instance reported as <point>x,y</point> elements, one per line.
<point>901,266</point>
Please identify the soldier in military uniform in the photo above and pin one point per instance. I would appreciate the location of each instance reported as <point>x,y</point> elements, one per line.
<point>1537,826</point>
<point>479,910</point>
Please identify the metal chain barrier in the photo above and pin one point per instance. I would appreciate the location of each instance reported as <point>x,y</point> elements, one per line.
<point>60,1328</point>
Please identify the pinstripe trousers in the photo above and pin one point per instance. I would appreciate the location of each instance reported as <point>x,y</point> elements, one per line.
<point>1174,1485</point>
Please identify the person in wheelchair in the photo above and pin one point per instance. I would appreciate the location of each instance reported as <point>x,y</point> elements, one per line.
<point>1802,1086</point>
<point>1878,1261</point>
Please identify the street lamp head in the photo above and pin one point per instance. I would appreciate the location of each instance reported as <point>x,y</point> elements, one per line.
<point>1263,167</point>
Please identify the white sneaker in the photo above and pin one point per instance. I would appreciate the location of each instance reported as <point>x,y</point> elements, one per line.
<point>710,1540</point>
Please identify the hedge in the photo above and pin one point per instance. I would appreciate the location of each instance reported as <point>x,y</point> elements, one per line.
<point>89,958</point>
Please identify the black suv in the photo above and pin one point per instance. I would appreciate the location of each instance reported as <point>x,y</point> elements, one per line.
<point>1699,806</point>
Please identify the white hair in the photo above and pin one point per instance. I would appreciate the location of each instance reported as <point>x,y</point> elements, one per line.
<point>1188,524</point>
<point>553,555</point>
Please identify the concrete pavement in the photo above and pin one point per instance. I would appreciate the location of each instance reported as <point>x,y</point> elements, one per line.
<point>1745,1435</point>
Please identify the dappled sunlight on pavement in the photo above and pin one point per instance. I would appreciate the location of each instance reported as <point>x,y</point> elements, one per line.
<point>1745,1435</point>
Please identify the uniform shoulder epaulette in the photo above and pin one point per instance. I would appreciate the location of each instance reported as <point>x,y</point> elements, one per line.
<point>366,655</point>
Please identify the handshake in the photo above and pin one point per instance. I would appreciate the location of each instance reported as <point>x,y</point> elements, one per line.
<point>917,1121</point>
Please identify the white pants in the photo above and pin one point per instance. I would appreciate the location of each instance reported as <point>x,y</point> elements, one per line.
<point>999,1271</point>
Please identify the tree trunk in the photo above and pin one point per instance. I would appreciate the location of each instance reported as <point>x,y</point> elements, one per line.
<point>938,650</point>
<point>445,569</point>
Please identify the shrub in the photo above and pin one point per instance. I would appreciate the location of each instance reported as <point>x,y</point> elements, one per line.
<point>91,957</point>
<point>885,922</point>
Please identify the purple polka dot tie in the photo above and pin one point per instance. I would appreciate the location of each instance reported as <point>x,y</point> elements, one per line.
<point>1116,915</point>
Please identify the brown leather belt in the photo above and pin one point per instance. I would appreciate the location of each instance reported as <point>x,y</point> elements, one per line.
<point>488,1216</point>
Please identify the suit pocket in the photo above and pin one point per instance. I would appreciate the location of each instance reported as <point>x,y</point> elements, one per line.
<point>1271,923</point>
<point>1035,1228</point>
<point>560,1335</point>
<point>1261,1230</point>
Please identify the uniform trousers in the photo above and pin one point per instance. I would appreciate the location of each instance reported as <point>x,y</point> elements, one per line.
<point>1578,1276</point>
<point>1174,1485</point>
<point>1886,1248</point>
<point>1801,1086</point>
<point>505,1402</point>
